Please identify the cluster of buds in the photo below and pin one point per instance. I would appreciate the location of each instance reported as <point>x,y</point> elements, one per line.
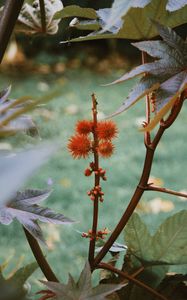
<point>80,145</point>
<point>96,192</point>
<point>101,234</point>
<point>100,172</point>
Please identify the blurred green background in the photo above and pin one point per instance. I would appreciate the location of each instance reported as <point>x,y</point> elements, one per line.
<point>77,71</point>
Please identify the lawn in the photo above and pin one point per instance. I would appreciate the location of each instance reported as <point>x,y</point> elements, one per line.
<point>67,249</point>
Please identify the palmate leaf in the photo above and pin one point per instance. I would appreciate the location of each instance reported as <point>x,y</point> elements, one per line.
<point>167,246</point>
<point>13,288</point>
<point>135,22</point>
<point>166,76</point>
<point>24,208</point>
<point>83,289</point>
<point>137,237</point>
<point>170,240</point>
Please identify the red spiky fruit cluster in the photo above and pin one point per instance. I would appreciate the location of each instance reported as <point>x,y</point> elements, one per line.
<point>80,145</point>
<point>107,130</point>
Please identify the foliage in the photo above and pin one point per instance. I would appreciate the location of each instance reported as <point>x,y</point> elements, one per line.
<point>82,289</point>
<point>133,21</point>
<point>24,207</point>
<point>147,258</point>
<point>15,287</point>
<point>166,78</point>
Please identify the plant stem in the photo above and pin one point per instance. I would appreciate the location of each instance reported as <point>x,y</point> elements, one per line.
<point>131,278</point>
<point>8,19</point>
<point>132,205</point>
<point>164,190</point>
<point>40,258</point>
<point>43,15</point>
<point>96,183</point>
<point>150,150</point>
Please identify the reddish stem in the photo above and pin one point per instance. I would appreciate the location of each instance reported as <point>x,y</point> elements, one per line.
<point>150,149</point>
<point>40,258</point>
<point>164,190</point>
<point>132,279</point>
<point>96,183</point>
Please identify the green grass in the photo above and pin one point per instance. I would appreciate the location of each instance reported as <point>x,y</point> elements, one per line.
<point>69,183</point>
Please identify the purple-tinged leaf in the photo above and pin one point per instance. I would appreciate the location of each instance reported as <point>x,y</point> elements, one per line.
<point>169,88</point>
<point>157,49</point>
<point>165,109</point>
<point>145,86</point>
<point>82,289</point>
<point>173,5</point>
<point>171,37</point>
<point>32,196</point>
<point>161,67</point>
<point>23,207</point>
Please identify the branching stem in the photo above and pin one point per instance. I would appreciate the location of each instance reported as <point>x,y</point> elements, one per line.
<point>132,279</point>
<point>150,150</point>
<point>164,190</point>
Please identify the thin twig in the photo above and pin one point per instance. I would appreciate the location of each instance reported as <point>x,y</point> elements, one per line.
<point>132,279</point>
<point>8,20</point>
<point>43,15</point>
<point>40,258</point>
<point>96,183</point>
<point>165,190</point>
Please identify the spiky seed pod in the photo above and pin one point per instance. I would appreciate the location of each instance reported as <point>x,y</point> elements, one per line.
<point>106,149</point>
<point>84,127</point>
<point>79,146</point>
<point>106,130</point>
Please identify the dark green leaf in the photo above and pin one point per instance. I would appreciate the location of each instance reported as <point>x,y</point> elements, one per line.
<point>138,238</point>
<point>173,287</point>
<point>135,22</point>
<point>76,11</point>
<point>14,287</point>
<point>170,240</point>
